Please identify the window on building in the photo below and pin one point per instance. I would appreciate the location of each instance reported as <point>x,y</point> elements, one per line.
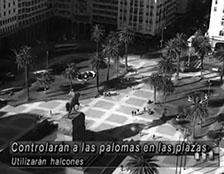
<point>215,8</point>
<point>216,1</point>
<point>222,23</point>
<point>221,33</point>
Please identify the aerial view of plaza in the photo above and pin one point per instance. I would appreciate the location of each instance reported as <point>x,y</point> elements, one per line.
<point>142,80</point>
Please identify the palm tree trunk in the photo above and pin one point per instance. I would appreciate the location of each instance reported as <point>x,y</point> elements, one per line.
<point>117,67</point>
<point>97,48</point>
<point>189,60</point>
<point>154,94</point>
<point>164,74</point>
<point>202,62</point>
<point>165,97</point>
<point>126,56</point>
<point>178,67</point>
<point>97,79</point>
<point>108,70</point>
<point>27,82</point>
<point>201,67</point>
<point>221,77</point>
<point>71,84</point>
<point>194,120</point>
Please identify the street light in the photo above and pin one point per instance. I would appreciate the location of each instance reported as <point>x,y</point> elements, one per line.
<point>162,37</point>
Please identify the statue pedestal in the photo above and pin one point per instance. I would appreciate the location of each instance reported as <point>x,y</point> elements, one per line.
<point>65,126</point>
<point>74,126</point>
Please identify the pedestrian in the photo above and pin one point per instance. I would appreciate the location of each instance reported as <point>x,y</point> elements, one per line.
<point>122,168</point>
<point>144,109</point>
<point>153,136</point>
<point>164,112</point>
<point>50,113</point>
<point>137,110</point>
<point>132,113</point>
<point>140,133</point>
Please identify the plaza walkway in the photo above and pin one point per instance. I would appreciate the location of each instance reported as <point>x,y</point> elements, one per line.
<point>105,113</point>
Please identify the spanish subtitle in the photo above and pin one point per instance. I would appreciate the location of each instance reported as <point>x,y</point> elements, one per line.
<point>76,153</point>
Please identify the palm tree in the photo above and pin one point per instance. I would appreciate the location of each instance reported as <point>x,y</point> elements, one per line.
<point>175,48</point>
<point>182,46</point>
<point>110,51</point>
<point>154,81</point>
<point>24,59</point>
<point>126,35</point>
<point>166,66</point>
<point>167,87</point>
<point>97,34</point>
<point>142,165</point>
<point>197,110</point>
<point>70,73</point>
<point>97,62</point>
<point>113,38</point>
<point>220,55</point>
<point>202,47</point>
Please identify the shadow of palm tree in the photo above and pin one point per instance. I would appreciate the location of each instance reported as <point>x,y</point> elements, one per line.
<point>162,120</point>
<point>2,113</point>
<point>215,103</point>
<point>205,91</point>
<point>191,89</point>
<point>115,84</point>
<point>184,84</point>
<point>77,86</point>
<point>214,83</point>
<point>180,98</point>
<point>125,131</point>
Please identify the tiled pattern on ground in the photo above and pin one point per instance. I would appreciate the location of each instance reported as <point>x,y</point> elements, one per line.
<point>106,113</point>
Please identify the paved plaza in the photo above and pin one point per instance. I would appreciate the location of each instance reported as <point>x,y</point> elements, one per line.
<point>104,113</point>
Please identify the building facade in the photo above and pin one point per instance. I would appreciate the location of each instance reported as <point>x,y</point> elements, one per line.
<point>105,11</point>
<point>18,14</point>
<point>82,11</point>
<point>32,11</point>
<point>146,16</point>
<point>216,24</point>
<point>8,16</point>
<point>62,8</point>
<point>183,6</point>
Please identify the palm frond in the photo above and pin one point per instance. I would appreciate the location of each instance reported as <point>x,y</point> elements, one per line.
<point>126,35</point>
<point>142,165</point>
<point>97,61</point>
<point>97,33</point>
<point>23,56</point>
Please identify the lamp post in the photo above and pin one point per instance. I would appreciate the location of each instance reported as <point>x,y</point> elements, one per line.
<point>162,37</point>
<point>47,57</point>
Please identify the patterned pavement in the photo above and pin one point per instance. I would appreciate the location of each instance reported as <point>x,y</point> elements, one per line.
<point>109,112</point>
